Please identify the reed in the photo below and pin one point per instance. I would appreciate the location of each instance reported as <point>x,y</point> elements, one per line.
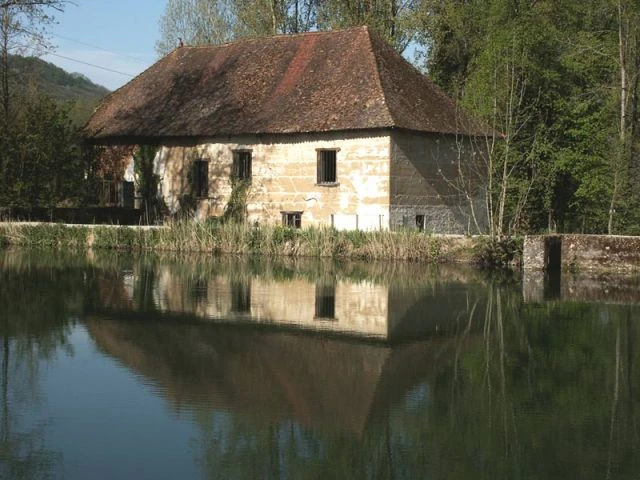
<point>247,239</point>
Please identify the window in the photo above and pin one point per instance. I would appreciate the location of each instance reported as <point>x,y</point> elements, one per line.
<point>292,219</point>
<point>327,173</point>
<point>200,178</point>
<point>420,223</point>
<point>118,194</point>
<point>242,164</point>
<point>325,301</point>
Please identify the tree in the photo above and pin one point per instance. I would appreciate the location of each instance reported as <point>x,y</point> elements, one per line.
<point>147,182</point>
<point>199,22</point>
<point>572,156</point>
<point>392,19</point>
<point>628,16</point>
<point>195,22</point>
<point>23,26</point>
<point>43,164</point>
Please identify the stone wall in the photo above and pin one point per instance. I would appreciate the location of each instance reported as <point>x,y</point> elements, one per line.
<point>582,252</point>
<point>284,175</point>
<point>601,252</point>
<point>426,181</point>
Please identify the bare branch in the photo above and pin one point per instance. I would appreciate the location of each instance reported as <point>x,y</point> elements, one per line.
<point>55,4</point>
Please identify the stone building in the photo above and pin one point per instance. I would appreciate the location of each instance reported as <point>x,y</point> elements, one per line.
<point>322,128</point>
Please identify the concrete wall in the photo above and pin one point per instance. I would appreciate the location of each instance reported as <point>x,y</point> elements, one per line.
<point>284,177</point>
<point>425,181</point>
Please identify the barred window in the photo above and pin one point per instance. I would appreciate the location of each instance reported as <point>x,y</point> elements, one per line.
<point>242,164</point>
<point>292,219</point>
<point>327,168</point>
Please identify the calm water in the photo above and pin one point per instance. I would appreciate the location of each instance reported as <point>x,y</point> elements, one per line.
<point>121,367</point>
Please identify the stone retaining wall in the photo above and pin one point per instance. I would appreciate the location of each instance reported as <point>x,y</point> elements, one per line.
<point>581,252</point>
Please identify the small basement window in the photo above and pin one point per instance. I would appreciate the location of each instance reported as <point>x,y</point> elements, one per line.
<point>242,164</point>
<point>200,178</point>
<point>292,219</point>
<point>327,169</point>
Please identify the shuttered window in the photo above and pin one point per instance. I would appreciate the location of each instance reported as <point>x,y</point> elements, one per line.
<point>292,219</point>
<point>201,178</point>
<point>242,164</point>
<point>327,168</point>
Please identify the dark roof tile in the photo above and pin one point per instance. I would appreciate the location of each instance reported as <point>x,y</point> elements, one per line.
<point>320,81</point>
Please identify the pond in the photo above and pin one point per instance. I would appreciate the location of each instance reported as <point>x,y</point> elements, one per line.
<point>116,366</point>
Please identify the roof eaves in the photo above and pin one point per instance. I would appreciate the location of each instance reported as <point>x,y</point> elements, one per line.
<point>108,96</point>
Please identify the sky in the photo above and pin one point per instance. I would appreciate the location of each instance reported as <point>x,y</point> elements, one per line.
<point>117,35</point>
<point>111,41</point>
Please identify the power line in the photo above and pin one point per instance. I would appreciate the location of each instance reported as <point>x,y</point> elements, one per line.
<point>81,61</point>
<point>91,64</point>
<point>96,47</point>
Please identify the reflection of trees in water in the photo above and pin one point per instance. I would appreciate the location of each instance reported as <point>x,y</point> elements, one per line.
<point>532,391</point>
<point>545,396</point>
<point>23,454</point>
<point>231,447</point>
<point>38,307</point>
<point>527,391</point>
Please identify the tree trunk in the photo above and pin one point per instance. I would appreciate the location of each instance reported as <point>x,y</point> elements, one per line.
<point>274,20</point>
<point>4,68</point>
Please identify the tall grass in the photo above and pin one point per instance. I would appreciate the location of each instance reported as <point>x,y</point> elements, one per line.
<point>246,239</point>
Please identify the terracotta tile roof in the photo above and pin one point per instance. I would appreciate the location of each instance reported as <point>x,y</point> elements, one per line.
<point>320,81</point>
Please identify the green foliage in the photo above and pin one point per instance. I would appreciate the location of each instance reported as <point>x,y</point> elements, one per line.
<point>546,75</point>
<point>199,22</point>
<point>50,235</point>
<point>69,90</point>
<point>41,160</point>
<point>236,208</point>
<point>243,239</point>
<point>498,253</point>
<point>147,183</point>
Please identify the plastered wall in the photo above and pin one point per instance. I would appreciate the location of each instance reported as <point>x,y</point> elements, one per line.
<point>284,174</point>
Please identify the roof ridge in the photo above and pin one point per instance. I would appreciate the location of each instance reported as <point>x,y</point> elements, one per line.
<point>268,37</point>
<point>378,78</point>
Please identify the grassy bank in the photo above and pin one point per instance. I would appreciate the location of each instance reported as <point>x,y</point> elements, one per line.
<point>244,239</point>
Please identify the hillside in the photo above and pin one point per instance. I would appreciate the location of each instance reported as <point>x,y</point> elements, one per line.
<point>34,73</point>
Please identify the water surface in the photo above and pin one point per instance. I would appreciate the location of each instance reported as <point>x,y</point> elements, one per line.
<point>142,367</point>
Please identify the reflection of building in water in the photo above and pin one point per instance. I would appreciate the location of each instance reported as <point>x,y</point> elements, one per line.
<point>581,287</point>
<point>325,301</point>
<point>328,301</point>
<point>355,307</point>
<point>326,383</point>
<point>241,296</point>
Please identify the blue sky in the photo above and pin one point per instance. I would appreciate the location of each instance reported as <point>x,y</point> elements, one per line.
<point>116,34</point>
